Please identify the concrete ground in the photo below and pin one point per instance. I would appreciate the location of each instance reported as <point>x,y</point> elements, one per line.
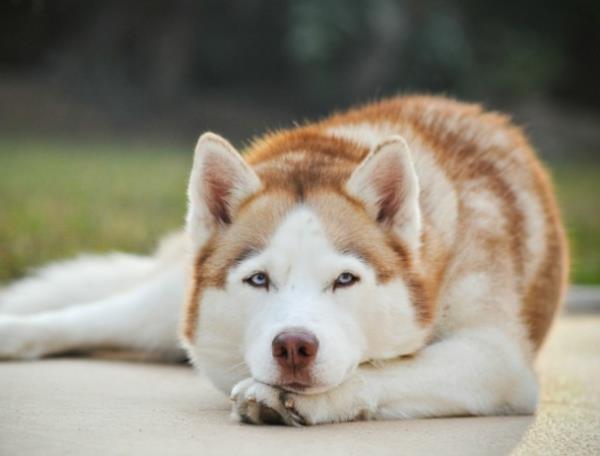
<point>77,406</point>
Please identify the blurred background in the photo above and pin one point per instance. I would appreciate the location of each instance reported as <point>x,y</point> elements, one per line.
<point>101,102</point>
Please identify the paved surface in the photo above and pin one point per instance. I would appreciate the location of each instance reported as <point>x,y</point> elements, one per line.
<point>96,406</point>
<point>583,299</point>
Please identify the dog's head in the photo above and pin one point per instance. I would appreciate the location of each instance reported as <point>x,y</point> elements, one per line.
<point>302,270</point>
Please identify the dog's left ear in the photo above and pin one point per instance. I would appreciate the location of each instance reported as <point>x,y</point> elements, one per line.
<point>219,182</point>
<point>387,184</point>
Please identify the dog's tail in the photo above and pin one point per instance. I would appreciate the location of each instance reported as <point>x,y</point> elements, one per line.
<point>81,280</point>
<point>77,281</point>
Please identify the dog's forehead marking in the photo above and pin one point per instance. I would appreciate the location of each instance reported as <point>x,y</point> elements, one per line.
<point>301,226</point>
<point>301,239</point>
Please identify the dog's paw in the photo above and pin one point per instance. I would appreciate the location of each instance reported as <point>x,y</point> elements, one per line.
<point>257,403</point>
<point>329,407</point>
<point>18,339</point>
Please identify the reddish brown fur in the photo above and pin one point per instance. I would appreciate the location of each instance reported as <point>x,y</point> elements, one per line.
<point>253,227</point>
<point>304,164</point>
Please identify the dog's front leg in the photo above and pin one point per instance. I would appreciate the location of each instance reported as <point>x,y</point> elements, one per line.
<point>475,372</point>
<point>257,403</point>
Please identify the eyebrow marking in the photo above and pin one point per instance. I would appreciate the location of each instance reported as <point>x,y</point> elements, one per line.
<point>246,254</point>
<point>356,254</point>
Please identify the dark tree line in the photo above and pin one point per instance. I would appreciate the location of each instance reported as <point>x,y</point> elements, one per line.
<point>312,51</point>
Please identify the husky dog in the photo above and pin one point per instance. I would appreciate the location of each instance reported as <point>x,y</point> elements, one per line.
<point>403,259</point>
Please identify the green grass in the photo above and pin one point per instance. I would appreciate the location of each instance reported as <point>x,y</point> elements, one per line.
<point>60,199</point>
<point>578,189</point>
<point>57,200</point>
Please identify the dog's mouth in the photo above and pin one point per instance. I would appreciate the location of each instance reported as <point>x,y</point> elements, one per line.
<point>295,387</point>
<point>302,388</point>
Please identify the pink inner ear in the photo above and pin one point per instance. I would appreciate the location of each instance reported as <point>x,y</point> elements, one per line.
<point>387,180</point>
<point>218,184</point>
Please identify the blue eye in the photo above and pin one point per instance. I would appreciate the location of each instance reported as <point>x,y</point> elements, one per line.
<point>258,280</point>
<point>345,279</point>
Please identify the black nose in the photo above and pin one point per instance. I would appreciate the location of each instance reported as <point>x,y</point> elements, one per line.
<point>295,349</point>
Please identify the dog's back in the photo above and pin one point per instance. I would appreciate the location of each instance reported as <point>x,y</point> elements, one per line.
<point>491,225</point>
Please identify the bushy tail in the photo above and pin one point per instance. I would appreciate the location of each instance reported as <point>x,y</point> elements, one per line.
<point>77,281</point>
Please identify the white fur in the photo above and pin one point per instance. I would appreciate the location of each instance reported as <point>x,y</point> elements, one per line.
<point>473,372</point>
<point>134,307</point>
<point>52,287</point>
<point>352,325</point>
<point>473,362</point>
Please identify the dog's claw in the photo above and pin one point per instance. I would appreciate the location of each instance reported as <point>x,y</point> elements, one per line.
<point>258,403</point>
<point>294,417</point>
<point>297,419</point>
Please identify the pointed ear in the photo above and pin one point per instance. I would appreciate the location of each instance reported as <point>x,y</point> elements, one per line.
<point>387,184</point>
<point>219,182</point>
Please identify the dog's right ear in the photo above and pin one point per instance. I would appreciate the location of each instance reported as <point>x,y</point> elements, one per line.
<point>219,182</point>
